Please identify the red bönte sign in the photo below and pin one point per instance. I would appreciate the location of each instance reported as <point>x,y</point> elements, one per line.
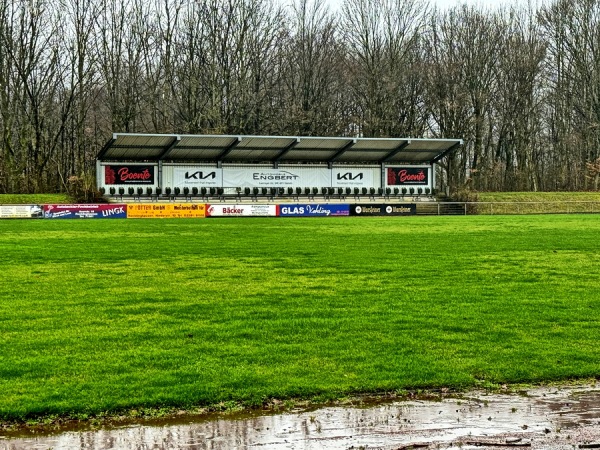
<point>131,174</point>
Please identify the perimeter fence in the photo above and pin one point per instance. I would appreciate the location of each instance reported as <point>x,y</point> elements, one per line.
<point>500,208</point>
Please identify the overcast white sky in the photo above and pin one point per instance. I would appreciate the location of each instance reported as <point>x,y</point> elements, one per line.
<point>488,4</point>
<point>484,3</point>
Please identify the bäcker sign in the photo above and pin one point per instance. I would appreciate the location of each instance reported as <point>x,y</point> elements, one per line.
<point>312,210</point>
<point>397,209</point>
<point>240,210</point>
<point>398,176</point>
<point>108,211</point>
<point>130,174</point>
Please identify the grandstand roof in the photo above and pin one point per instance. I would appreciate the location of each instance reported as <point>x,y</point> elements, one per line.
<point>275,149</point>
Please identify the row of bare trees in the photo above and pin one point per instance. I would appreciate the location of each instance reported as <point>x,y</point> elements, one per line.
<point>521,87</point>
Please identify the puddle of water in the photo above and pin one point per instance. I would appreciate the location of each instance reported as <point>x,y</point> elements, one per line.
<point>549,418</point>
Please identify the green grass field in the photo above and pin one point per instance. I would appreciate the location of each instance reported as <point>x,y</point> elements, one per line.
<point>108,315</point>
<point>35,199</point>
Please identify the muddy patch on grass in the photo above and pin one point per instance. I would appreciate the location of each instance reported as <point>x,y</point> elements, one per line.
<point>566,417</point>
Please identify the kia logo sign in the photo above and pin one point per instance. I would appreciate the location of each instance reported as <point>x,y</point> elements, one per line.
<point>348,176</point>
<point>200,175</point>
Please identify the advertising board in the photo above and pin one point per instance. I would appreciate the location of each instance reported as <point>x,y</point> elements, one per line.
<point>404,176</point>
<point>21,212</point>
<point>129,174</point>
<point>104,211</point>
<point>166,210</point>
<point>288,176</point>
<point>313,210</point>
<point>197,176</point>
<point>282,177</point>
<point>241,210</point>
<point>356,177</point>
<point>398,209</point>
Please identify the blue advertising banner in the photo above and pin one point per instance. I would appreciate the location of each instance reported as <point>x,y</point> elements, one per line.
<point>312,210</point>
<point>107,211</point>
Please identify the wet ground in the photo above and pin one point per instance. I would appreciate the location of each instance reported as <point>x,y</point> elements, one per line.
<point>566,417</point>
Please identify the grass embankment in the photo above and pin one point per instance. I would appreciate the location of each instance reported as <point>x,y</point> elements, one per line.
<point>108,315</point>
<point>537,202</point>
<point>539,196</point>
<point>34,199</point>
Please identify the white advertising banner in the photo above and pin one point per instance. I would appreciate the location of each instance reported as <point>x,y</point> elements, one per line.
<point>300,176</point>
<point>356,177</point>
<point>21,212</point>
<point>197,176</point>
<point>240,210</point>
<point>282,177</point>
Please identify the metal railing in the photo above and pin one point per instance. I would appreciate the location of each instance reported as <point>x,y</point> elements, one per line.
<point>500,208</point>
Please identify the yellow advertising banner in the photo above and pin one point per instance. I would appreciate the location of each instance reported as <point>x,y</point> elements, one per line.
<point>166,210</point>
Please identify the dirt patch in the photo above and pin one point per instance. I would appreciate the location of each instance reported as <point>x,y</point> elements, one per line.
<point>566,417</point>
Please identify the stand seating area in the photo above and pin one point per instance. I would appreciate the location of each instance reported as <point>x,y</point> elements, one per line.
<point>263,194</point>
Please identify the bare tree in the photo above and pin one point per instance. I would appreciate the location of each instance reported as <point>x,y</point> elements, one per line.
<point>120,59</point>
<point>572,30</point>
<point>37,103</point>
<point>7,152</point>
<point>76,150</point>
<point>384,63</point>
<point>517,107</point>
<point>312,72</point>
<point>463,50</point>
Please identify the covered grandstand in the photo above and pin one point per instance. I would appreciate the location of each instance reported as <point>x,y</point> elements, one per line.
<point>170,166</point>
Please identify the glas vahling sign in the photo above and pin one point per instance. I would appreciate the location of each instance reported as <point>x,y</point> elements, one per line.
<point>312,210</point>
